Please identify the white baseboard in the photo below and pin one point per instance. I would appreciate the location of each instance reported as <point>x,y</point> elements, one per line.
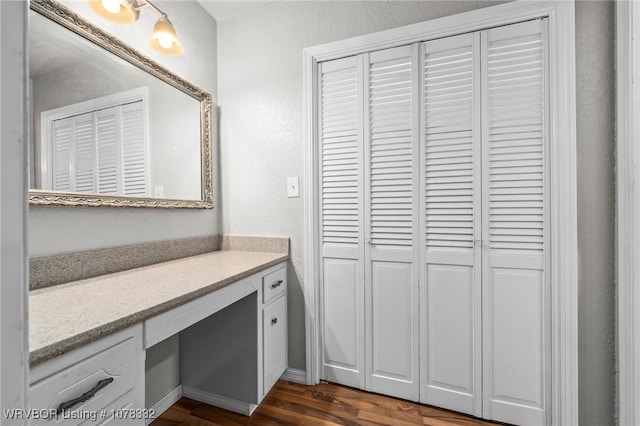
<point>291,374</point>
<point>295,375</point>
<point>165,403</point>
<point>220,401</point>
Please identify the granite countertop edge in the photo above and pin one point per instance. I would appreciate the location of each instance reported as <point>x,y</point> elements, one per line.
<point>61,347</point>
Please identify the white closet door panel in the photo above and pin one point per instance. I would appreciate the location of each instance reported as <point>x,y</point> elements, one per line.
<point>134,150</point>
<point>391,142</point>
<point>84,148</point>
<point>450,335</point>
<point>451,202</point>
<point>393,366</point>
<point>517,345</point>
<point>108,151</point>
<point>61,157</point>
<point>343,321</point>
<point>342,275</point>
<point>516,309</point>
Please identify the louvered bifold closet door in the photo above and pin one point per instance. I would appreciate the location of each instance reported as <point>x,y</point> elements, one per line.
<point>515,225</point>
<point>341,192</point>
<point>391,211</point>
<point>451,273</point>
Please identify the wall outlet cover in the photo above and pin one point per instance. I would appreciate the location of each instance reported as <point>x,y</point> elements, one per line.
<point>293,187</point>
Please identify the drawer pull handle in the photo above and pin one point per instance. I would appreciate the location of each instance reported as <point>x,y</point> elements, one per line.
<point>274,321</point>
<point>276,284</point>
<point>85,396</point>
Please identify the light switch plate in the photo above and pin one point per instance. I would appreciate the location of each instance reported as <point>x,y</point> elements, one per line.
<point>293,187</point>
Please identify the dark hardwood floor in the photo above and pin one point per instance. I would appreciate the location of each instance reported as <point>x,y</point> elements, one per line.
<point>325,404</point>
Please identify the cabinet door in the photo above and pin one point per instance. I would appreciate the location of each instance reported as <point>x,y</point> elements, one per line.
<point>274,325</point>
<point>451,276</point>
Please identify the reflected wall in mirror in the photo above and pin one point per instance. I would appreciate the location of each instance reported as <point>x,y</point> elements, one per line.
<point>111,127</point>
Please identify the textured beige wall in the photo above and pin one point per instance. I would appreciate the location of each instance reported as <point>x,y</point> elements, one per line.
<point>595,73</point>
<point>260,81</point>
<point>54,230</point>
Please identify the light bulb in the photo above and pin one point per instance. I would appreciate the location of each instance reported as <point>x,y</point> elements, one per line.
<point>165,40</point>
<point>111,6</point>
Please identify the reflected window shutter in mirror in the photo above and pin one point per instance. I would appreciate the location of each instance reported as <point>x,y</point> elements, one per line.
<point>61,142</point>
<point>99,149</point>
<point>84,137</point>
<point>134,150</point>
<point>108,134</point>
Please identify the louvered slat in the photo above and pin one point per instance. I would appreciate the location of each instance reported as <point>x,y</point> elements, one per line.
<point>449,151</point>
<point>515,101</point>
<point>339,152</point>
<point>391,150</point>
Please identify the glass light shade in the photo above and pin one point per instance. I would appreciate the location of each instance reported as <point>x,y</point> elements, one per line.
<point>164,38</point>
<point>125,14</point>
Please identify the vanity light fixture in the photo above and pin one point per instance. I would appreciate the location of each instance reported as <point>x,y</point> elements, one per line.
<point>118,11</point>
<point>164,38</point>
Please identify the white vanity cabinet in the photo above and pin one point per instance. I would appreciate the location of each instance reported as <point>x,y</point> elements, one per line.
<point>274,326</point>
<point>244,346</point>
<point>229,309</point>
<point>104,378</point>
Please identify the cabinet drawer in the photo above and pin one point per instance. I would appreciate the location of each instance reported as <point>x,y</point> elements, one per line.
<point>274,324</point>
<point>274,284</point>
<point>117,363</point>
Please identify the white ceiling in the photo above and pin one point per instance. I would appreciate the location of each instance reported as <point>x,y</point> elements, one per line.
<point>225,9</point>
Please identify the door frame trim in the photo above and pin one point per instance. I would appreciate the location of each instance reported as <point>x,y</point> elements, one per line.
<point>628,204</point>
<point>563,195</point>
<point>14,277</point>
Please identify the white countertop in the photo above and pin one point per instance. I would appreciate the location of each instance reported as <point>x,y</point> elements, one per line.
<point>67,316</point>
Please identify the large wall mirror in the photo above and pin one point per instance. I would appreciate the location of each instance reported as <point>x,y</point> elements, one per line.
<point>111,127</point>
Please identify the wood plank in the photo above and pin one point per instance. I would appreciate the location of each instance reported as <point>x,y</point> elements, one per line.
<point>325,404</point>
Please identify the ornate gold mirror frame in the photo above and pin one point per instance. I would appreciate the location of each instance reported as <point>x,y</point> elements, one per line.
<point>72,21</point>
